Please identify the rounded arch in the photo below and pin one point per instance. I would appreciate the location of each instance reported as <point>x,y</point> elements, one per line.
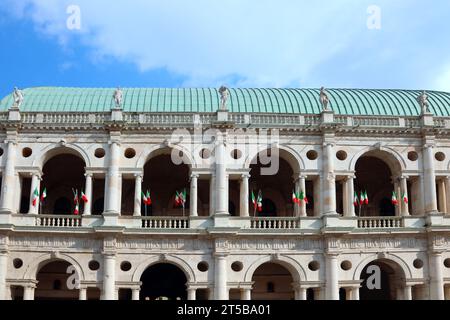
<point>293,266</point>
<point>161,149</point>
<point>53,150</point>
<point>180,263</point>
<point>39,262</point>
<point>290,155</point>
<point>391,157</point>
<point>399,262</point>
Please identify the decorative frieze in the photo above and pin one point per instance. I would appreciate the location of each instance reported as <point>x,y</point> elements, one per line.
<point>54,242</point>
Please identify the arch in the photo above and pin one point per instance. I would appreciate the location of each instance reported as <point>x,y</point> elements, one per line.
<point>287,153</point>
<point>180,263</point>
<point>39,262</point>
<point>392,158</point>
<point>293,266</point>
<point>55,149</point>
<point>157,150</point>
<point>386,257</point>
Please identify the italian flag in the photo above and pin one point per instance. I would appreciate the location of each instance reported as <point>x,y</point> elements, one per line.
<point>295,199</point>
<point>366,198</point>
<point>405,198</point>
<point>362,199</point>
<point>84,197</point>
<point>355,199</point>
<point>76,211</point>
<point>394,199</point>
<point>253,200</point>
<point>35,197</point>
<point>44,194</point>
<point>303,197</point>
<point>75,197</point>
<point>180,198</point>
<point>146,198</point>
<point>259,201</point>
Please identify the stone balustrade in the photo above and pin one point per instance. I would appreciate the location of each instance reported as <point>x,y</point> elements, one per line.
<point>165,222</point>
<point>57,221</point>
<point>380,222</point>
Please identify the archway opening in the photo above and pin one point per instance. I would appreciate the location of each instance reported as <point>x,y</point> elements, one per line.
<point>374,172</point>
<point>275,179</point>
<point>272,281</point>
<point>62,174</point>
<point>163,281</point>
<point>56,282</point>
<point>382,279</point>
<point>163,178</point>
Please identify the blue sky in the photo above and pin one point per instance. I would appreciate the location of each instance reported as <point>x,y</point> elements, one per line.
<point>240,43</point>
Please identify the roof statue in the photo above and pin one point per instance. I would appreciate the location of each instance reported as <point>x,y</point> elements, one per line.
<point>423,101</point>
<point>324,100</point>
<point>18,97</point>
<point>224,93</point>
<point>118,96</point>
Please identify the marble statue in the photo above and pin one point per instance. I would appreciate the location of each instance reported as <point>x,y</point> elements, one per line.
<point>324,100</point>
<point>18,97</point>
<point>224,93</point>
<point>118,95</point>
<point>423,101</point>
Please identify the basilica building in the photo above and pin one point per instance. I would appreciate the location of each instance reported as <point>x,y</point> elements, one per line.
<point>239,194</point>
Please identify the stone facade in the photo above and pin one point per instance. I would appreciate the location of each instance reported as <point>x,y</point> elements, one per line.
<point>324,249</point>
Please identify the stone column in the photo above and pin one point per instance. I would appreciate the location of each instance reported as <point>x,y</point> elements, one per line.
<point>193,211</point>
<point>109,277</point>
<point>220,277</point>
<point>329,180</point>
<point>447,194</point>
<point>404,191</point>
<point>3,271</point>
<point>137,194</point>
<point>442,198</point>
<point>113,181</point>
<point>221,180</point>
<point>212,195</point>
<point>300,185</point>
<point>429,179</point>
<point>355,293</point>
<point>82,294</point>
<point>300,293</point>
<point>350,194</point>
<point>436,276</point>
<point>244,196</point>
<point>407,292</point>
<point>246,294</point>
<point>396,190</point>
<point>317,196</point>
<point>191,293</point>
<point>28,291</point>
<point>332,281</point>
<point>88,191</point>
<point>8,179</point>
<point>135,294</point>
<point>317,293</point>
<point>35,183</point>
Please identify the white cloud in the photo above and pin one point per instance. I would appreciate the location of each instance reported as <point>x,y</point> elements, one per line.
<point>238,42</point>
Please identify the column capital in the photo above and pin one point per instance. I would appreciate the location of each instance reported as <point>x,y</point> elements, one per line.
<point>194,175</point>
<point>220,255</point>
<point>247,176</point>
<point>88,174</point>
<point>36,174</point>
<point>138,175</point>
<point>11,141</point>
<point>428,145</point>
<point>350,176</point>
<point>403,176</point>
<point>117,142</point>
<point>329,143</point>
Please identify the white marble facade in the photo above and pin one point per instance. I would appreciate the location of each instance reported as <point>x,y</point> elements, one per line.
<point>324,250</point>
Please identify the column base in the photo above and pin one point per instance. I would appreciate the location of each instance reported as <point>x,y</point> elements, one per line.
<point>110,218</point>
<point>221,219</point>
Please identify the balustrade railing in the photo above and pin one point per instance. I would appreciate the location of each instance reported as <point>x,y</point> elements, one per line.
<point>58,221</point>
<point>274,223</point>
<point>379,222</point>
<point>165,222</point>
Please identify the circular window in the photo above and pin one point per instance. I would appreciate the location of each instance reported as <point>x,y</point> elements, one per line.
<point>99,153</point>
<point>237,266</point>
<point>130,153</point>
<point>94,265</point>
<point>311,155</point>
<point>440,156</point>
<point>418,264</point>
<point>314,265</point>
<point>26,152</point>
<point>1,152</point>
<point>203,266</point>
<point>17,263</point>
<point>447,263</point>
<point>205,153</point>
<point>346,265</point>
<point>236,154</point>
<point>413,156</point>
<point>341,155</point>
<point>125,266</point>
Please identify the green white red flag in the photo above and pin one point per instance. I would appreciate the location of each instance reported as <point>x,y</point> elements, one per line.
<point>355,199</point>
<point>84,197</point>
<point>259,201</point>
<point>76,201</point>
<point>295,199</point>
<point>146,198</point>
<point>394,198</point>
<point>366,198</point>
<point>303,197</point>
<point>35,197</point>
<point>44,194</point>
<point>405,198</point>
<point>180,198</point>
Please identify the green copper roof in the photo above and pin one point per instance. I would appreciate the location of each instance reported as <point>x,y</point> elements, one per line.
<point>257,100</point>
